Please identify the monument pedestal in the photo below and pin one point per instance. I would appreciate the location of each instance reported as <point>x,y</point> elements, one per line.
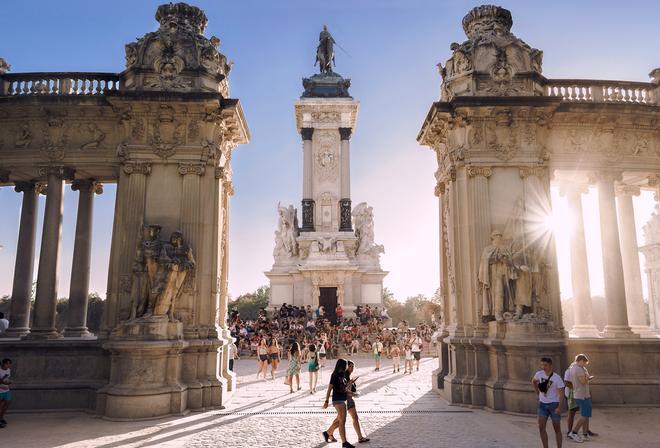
<point>145,371</point>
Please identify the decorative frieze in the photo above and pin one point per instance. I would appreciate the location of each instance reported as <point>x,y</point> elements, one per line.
<point>527,171</point>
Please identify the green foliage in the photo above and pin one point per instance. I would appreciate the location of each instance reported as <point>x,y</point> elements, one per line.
<point>249,304</point>
<point>414,310</point>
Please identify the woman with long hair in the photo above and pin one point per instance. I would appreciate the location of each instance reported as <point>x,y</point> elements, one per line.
<point>262,357</point>
<point>294,366</point>
<point>322,351</point>
<point>350,404</point>
<point>338,387</point>
<point>313,367</point>
<point>274,355</point>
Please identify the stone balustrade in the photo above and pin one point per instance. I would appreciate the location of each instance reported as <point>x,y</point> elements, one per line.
<point>58,83</point>
<point>598,91</point>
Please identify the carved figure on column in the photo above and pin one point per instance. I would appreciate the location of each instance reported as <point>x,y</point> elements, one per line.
<point>176,263</point>
<point>363,218</point>
<point>495,274</point>
<point>287,232</point>
<point>145,268</point>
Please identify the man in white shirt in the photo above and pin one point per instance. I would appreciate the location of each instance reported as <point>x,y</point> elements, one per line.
<point>550,388</point>
<point>4,323</point>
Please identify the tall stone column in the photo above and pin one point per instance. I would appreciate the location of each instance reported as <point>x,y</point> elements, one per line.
<point>480,231</point>
<point>82,254</point>
<point>651,251</point>
<point>307,201</point>
<point>582,308</point>
<point>615,292</point>
<point>19,320</point>
<point>630,257</point>
<point>46,298</point>
<point>345,187</point>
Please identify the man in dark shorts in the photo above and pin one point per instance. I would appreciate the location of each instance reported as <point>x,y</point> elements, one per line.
<point>550,388</point>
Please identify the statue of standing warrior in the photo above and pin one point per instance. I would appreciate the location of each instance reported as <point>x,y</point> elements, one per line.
<point>325,53</point>
<point>495,272</point>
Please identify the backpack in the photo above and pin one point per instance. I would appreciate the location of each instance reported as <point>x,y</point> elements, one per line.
<point>544,384</point>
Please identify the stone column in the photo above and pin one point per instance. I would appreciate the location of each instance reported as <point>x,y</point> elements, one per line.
<point>615,293</point>
<point>307,201</point>
<point>82,253</point>
<point>480,230</point>
<point>630,257</point>
<point>191,226</point>
<point>46,298</point>
<point>19,320</point>
<point>345,187</point>
<point>582,308</point>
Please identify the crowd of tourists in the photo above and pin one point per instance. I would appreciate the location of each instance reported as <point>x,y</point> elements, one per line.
<point>272,334</point>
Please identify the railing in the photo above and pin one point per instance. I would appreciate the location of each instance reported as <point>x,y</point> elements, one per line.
<point>597,91</point>
<point>72,83</point>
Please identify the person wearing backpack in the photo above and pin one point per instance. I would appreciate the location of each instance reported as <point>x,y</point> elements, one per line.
<point>550,388</point>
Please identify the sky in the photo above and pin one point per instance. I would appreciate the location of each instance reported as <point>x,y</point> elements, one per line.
<point>389,49</point>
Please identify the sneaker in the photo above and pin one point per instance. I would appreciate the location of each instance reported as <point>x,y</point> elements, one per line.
<point>592,434</point>
<point>576,437</point>
<point>347,445</point>
<point>585,437</point>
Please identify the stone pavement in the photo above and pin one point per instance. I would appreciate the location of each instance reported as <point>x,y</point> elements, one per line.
<point>395,411</point>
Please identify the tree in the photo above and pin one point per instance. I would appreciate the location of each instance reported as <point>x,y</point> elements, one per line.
<point>249,304</point>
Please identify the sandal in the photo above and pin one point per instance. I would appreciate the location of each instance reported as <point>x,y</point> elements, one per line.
<point>363,440</point>
<point>326,436</point>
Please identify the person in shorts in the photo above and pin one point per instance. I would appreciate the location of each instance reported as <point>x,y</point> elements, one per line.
<point>378,351</point>
<point>5,393</point>
<point>571,404</point>
<point>581,378</point>
<point>550,388</point>
<point>416,348</point>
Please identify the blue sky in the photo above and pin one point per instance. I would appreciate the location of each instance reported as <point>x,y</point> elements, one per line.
<point>391,49</point>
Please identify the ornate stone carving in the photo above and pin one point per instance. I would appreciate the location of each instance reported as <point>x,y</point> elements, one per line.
<point>627,190</point>
<point>97,136</point>
<point>501,136</point>
<point>526,171</point>
<point>327,159</point>
<point>286,233</point>
<point>493,55</point>
<point>167,133</point>
<point>23,137</point>
<point>363,218</point>
<point>56,137</point>
<point>4,66</point>
<point>192,168</point>
<point>177,54</point>
<point>159,270</point>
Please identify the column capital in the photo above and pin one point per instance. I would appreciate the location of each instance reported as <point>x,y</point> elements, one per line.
<point>137,168</point>
<point>345,133</point>
<point>483,171</point>
<point>306,133</point>
<point>61,172</point>
<point>192,168</point>
<point>653,180</point>
<point>604,176</point>
<point>87,184</point>
<point>20,186</point>
<point>527,171</point>
<point>627,190</point>
<point>567,188</point>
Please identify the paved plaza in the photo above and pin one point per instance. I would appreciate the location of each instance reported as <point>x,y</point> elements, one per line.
<point>395,410</point>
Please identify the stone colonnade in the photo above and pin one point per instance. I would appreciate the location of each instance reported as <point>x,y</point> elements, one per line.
<point>43,326</point>
<point>626,314</point>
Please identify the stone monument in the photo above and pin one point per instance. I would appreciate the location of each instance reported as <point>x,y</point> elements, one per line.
<point>333,257</point>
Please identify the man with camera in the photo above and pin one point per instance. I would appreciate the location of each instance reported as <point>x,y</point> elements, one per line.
<point>550,388</point>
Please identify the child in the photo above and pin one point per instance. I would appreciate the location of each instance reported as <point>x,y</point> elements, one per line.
<point>5,394</point>
<point>409,360</point>
<point>395,353</point>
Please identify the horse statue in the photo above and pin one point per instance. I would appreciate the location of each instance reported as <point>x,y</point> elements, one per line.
<point>325,53</point>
